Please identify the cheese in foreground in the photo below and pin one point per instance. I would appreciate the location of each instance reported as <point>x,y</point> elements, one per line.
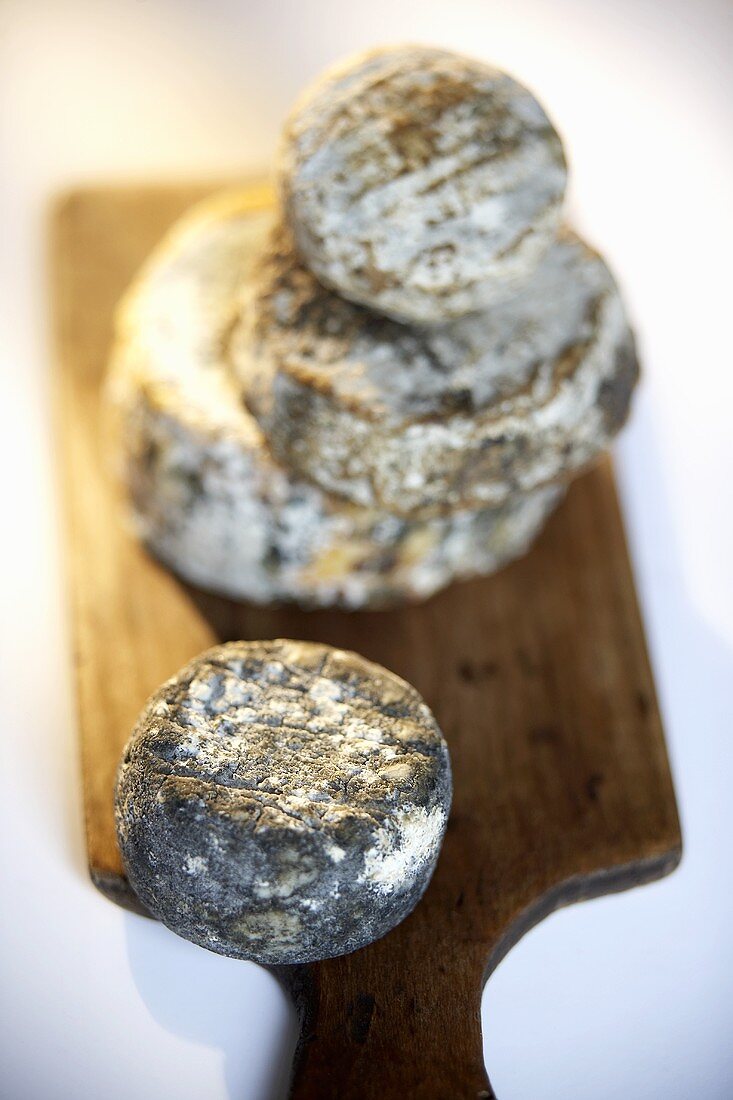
<point>283,801</point>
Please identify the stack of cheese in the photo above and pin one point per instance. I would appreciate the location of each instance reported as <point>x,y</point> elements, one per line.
<point>385,385</point>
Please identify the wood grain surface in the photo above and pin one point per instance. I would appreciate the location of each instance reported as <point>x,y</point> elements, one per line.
<point>538,676</point>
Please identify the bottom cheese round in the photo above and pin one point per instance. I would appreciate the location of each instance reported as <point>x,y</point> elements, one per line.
<point>207,497</point>
<point>282,801</point>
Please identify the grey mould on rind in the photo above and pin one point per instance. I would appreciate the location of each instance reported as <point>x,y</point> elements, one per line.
<point>207,497</point>
<point>282,801</point>
<point>420,420</point>
<point>421,183</point>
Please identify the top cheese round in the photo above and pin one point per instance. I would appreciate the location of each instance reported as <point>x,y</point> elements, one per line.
<point>421,183</point>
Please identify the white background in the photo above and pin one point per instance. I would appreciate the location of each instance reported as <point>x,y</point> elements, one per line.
<point>630,996</point>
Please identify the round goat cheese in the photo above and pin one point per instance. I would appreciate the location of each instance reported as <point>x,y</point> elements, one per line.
<point>282,801</point>
<point>208,498</point>
<point>421,183</point>
<point>422,420</point>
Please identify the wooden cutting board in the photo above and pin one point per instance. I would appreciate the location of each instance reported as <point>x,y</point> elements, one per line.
<point>539,677</point>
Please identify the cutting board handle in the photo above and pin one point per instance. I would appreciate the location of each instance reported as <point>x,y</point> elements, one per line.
<point>376,1027</point>
<point>402,1017</point>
